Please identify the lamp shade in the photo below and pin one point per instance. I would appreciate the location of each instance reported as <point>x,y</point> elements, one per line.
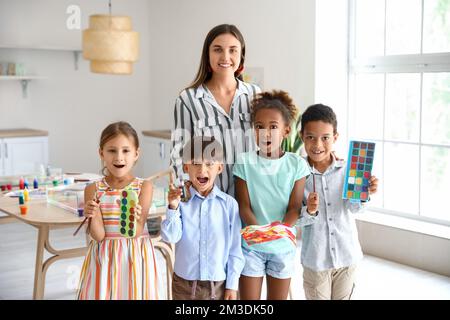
<point>110,44</point>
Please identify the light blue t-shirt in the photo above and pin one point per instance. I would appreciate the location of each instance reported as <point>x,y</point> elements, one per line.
<point>270,182</point>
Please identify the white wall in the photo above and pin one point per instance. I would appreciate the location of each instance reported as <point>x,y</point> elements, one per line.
<point>331,63</point>
<point>279,37</point>
<point>74,106</point>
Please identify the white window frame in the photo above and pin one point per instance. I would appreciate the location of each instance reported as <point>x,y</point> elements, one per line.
<point>410,63</point>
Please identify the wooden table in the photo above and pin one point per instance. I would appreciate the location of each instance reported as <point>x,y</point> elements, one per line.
<point>46,217</point>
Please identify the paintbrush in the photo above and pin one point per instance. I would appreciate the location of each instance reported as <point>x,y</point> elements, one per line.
<point>85,219</point>
<point>314,179</point>
<point>79,227</point>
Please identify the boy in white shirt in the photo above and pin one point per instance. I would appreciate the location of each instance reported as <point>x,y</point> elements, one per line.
<point>330,246</point>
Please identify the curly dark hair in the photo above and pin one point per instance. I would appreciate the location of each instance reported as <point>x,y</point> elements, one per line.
<point>276,99</point>
<point>319,112</point>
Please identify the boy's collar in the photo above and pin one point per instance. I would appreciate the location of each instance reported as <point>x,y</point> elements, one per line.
<point>215,192</point>
<point>337,163</point>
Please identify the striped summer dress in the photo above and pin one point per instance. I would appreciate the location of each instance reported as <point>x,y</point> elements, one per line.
<point>197,113</point>
<point>118,268</point>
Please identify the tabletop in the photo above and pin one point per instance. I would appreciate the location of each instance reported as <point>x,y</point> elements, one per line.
<point>42,213</point>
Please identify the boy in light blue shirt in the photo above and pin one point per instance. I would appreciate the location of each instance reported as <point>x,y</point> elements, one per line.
<point>206,229</point>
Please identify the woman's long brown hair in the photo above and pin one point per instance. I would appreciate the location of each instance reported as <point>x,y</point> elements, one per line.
<point>204,70</point>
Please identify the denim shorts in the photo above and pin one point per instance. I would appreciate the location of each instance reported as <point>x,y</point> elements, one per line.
<point>277,265</point>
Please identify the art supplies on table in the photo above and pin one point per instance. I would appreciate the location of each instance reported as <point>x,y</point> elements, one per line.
<point>26,194</point>
<point>22,204</point>
<point>83,177</point>
<point>33,181</point>
<point>23,209</point>
<point>67,197</point>
<point>21,199</point>
<point>32,194</point>
<point>359,171</point>
<point>275,237</point>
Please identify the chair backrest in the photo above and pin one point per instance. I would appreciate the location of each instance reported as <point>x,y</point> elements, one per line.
<point>168,172</point>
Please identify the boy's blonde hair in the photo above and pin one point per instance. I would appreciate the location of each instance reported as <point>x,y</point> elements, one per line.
<point>202,148</point>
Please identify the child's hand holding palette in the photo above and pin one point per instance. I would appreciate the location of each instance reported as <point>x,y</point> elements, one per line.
<point>359,171</point>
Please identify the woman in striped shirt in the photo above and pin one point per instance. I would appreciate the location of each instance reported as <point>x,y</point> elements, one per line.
<point>217,103</point>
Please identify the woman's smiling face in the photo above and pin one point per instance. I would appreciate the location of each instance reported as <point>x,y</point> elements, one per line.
<point>225,54</point>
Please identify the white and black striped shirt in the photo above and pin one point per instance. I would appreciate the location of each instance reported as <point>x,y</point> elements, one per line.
<point>198,114</point>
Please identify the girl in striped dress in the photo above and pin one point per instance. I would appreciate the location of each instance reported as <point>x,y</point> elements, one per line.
<point>118,266</point>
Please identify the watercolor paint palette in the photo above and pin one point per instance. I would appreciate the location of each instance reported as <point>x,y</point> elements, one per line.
<point>359,169</point>
<point>128,201</point>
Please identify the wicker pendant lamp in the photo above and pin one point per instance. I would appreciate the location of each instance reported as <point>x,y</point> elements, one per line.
<point>110,44</point>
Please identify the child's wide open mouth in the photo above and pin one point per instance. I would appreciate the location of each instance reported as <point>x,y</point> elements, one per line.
<point>119,166</point>
<point>202,180</point>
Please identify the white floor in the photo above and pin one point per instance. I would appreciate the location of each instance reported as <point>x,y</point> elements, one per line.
<point>377,278</point>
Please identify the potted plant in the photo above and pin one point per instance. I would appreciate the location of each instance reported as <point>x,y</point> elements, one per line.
<point>293,142</point>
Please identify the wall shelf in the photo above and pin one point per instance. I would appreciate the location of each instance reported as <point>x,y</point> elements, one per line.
<point>75,51</point>
<point>39,47</point>
<point>24,80</point>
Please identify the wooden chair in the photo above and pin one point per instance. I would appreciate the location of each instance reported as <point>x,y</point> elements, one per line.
<point>166,249</point>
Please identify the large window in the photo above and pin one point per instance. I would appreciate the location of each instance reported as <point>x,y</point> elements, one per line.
<point>399,97</point>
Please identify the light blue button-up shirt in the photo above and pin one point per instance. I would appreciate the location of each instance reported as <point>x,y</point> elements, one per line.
<point>206,231</point>
<point>330,239</point>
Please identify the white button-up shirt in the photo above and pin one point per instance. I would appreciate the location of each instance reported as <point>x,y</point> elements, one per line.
<point>330,239</point>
